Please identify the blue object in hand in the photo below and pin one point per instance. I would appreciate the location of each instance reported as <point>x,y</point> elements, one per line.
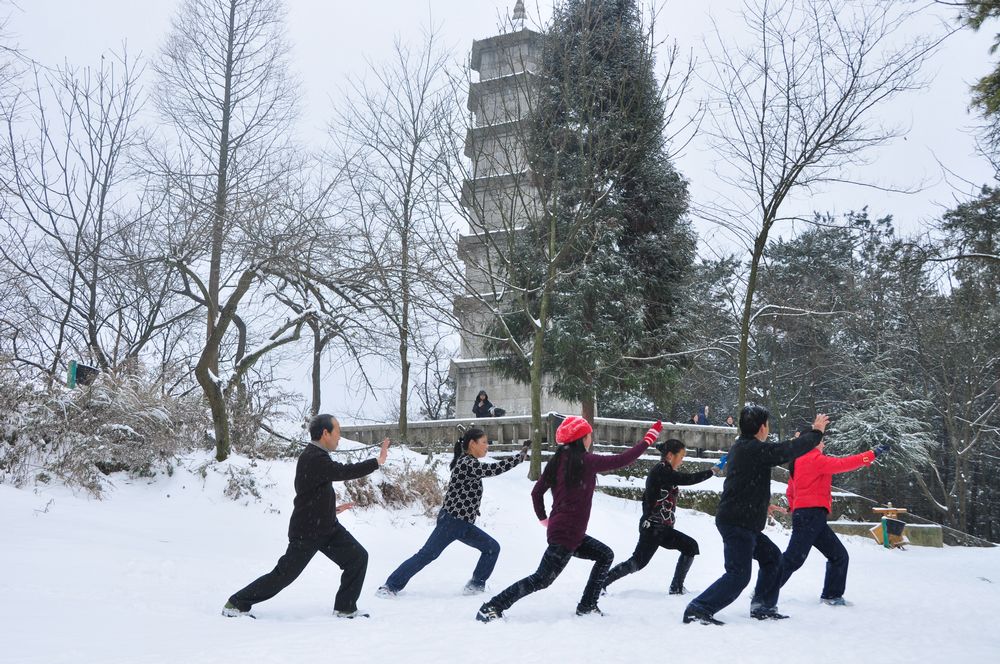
<point>722,461</point>
<point>882,449</point>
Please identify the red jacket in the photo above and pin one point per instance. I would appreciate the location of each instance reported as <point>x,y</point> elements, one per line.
<point>814,471</point>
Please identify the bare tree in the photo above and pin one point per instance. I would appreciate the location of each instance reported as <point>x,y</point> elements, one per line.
<point>796,110</point>
<point>74,230</point>
<point>391,142</point>
<point>228,98</point>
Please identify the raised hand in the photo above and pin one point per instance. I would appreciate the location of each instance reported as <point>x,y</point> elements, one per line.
<point>384,452</point>
<point>821,421</point>
<point>344,507</point>
<point>882,449</point>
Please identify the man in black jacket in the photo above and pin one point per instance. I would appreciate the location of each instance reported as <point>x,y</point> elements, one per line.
<point>314,526</point>
<point>742,514</point>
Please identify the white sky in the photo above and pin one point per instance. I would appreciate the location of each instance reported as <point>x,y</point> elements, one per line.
<point>332,38</point>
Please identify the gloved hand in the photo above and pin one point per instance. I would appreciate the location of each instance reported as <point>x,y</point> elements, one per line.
<point>722,461</point>
<point>653,433</point>
<point>882,449</point>
<point>647,524</point>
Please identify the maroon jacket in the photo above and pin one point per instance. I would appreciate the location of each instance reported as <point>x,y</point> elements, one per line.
<point>571,506</point>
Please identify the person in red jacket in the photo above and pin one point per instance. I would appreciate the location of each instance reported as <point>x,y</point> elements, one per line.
<point>571,475</point>
<point>809,501</point>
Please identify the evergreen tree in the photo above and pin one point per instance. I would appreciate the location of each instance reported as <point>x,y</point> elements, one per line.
<point>596,142</point>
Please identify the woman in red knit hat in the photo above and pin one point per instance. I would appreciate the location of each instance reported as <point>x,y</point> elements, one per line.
<point>571,475</point>
<point>809,500</point>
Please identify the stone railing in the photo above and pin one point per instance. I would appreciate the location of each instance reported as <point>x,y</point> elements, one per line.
<point>440,435</point>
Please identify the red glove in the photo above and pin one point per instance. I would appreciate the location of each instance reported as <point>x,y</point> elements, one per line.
<point>653,433</point>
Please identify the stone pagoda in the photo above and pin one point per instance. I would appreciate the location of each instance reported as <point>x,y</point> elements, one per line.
<point>497,198</point>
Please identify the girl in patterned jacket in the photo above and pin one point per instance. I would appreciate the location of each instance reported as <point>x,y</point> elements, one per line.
<point>659,504</point>
<point>457,517</point>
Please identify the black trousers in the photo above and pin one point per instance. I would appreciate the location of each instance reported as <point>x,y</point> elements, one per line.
<point>650,539</point>
<point>340,547</point>
<point>554,561</point>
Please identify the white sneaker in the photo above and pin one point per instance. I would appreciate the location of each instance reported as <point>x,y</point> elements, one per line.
<point>473,588</point>
<point>835,601</point>
<point>385,592</point>
<point>357,613</point>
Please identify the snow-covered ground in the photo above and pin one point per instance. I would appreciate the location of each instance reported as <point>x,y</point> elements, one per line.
<point>142,575</point>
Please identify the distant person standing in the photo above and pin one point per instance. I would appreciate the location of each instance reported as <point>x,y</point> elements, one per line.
<point>482,407</point>
<point>742,514</point>
<point>730,422</point>
<point>314,526</point>
<point>702,415</point>
<point>809,500</point>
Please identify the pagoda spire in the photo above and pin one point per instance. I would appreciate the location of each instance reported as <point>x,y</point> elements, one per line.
<point>519,14</point>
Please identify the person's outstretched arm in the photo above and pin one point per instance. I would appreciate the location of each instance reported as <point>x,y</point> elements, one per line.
<point>605,462</point>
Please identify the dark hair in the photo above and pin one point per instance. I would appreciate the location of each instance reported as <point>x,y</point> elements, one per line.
<point>319,424</point>
<point>805,428</point>
<point>573,454</point>
<point>752,418</point>
<point>670,446</point>
<point>482,393</point>
<point>462,446</point>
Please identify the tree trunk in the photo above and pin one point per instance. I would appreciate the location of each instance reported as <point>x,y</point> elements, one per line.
<point>317,353</point>
<point>758,252</point>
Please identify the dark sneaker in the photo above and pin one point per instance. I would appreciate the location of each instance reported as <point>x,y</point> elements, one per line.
<point>385,592</point>
<point>700,617</point>
<point>835,601</point>
<point>582,610</point>
<point>473,588</point>
<point>678,591</point>
<point>230,610</point>
<point>767,614</point>
<point>488,613</point>
<point>350,615</point>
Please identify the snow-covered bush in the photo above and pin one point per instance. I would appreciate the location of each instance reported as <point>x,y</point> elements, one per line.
<point>401,485</point>
<point>80,437</point>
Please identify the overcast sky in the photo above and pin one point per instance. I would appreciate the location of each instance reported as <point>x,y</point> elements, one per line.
<point>331,40</point>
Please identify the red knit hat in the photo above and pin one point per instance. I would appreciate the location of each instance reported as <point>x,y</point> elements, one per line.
<point>572,428</point>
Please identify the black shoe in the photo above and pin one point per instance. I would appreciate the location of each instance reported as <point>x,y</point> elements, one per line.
<point>678,591</point>
<point>473,588</point>
<point>582,610</point>
<point>699,617</point>
<point>488,613</point>
<point>767,614</point>
<point>230,610</point>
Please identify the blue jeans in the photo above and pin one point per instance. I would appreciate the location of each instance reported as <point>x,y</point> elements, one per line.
<point>447,530</point>
<point>739,547</point>
<point>809,529</point>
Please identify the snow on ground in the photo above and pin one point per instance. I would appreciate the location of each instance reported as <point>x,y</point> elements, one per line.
<point>141,576</point>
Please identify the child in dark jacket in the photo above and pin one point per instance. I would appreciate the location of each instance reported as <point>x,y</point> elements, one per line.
<point>457,517</point>
<point>810,500</point>
<point>571,475</point>
<point>659,504</point>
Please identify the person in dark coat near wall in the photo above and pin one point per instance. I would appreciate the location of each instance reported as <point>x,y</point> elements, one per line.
<point>314,527</point>
<point>742,514</point>
<point>483,407</point>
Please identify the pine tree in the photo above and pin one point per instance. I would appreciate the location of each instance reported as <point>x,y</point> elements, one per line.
<point>597,143</point>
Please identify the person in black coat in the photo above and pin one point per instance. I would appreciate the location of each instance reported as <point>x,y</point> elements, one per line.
<point>314,526</point>
<point>742,514</point>
<point>659,505</point>
<point>482,407</point>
